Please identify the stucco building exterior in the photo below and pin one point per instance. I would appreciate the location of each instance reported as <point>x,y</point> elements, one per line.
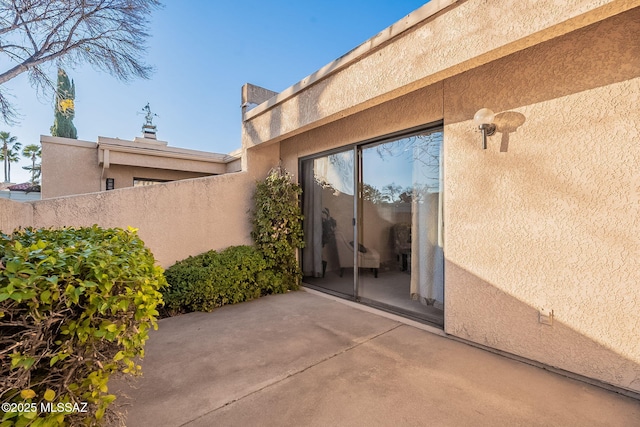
<point>529,247</point>
<point>72,166</point>
<point>540,231</point>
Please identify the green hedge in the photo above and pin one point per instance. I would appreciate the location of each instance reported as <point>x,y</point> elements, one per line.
<point>76,305</point>
<point>213,279</point>
<point>240,273</point>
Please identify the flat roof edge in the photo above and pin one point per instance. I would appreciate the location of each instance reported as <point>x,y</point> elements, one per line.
<point>411,20</point>
<point>123,145</point>
<point>67,141</point>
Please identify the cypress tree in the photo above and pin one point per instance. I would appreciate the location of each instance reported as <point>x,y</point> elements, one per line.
<point>64,109</point>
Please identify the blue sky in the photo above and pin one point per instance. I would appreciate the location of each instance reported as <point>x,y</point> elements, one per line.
<point>203,52</point>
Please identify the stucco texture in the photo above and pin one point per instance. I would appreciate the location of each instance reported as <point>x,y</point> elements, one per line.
<point>69,167</point>
<point>416,109</point>
<point>14,215</point>
<point>166,161</point>
<point>175,219</point>
<point>461,37</point>
<point>548,216</point>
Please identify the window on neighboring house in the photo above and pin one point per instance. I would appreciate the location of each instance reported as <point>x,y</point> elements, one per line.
<point>139,182</point>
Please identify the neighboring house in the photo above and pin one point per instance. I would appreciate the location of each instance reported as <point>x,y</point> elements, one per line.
<point>20,192</point>
<point>71,166</point>
<point>528,247</point>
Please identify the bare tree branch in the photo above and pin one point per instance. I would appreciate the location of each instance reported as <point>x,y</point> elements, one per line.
<point>108,34</point>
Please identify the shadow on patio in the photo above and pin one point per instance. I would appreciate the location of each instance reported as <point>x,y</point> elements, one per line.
<point>302,359</point>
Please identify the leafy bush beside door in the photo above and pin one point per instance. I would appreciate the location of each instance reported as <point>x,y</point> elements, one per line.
<point>240,273</point>
<point>277,224</point>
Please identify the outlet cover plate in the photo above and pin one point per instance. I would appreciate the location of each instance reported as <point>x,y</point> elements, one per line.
<point>545,316</point>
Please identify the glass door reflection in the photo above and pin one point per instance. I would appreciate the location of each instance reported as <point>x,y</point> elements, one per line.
<point>328,203</point>
<point>399,233</point>
<point>392,256</point>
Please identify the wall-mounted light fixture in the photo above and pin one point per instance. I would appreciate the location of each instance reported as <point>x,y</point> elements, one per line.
<point>484,119</point>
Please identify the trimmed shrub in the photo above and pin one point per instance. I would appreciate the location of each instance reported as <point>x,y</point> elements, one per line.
<point>213,279</point>
<point>277,225</point>
<point>76,305</point>
<point>240,273</point>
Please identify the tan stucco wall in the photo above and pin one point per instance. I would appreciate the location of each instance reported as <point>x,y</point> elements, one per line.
<point>549,215</point>
<point>175,219</point>
<point>546,217</point>
<point>416,109</point>
<point>14,215</point>
<point>234,166</point>
<point>69,167</point>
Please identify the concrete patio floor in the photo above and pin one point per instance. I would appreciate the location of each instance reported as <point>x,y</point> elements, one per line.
<point>304,360</point>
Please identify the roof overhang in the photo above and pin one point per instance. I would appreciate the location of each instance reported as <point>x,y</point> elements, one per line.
<point>149,153</point>
<point>156,154</point>
<point>441,39</point>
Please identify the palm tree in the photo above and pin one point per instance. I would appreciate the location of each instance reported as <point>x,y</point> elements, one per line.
<point>33,151</point>
<point>10,153</point>
<point>13,156</point>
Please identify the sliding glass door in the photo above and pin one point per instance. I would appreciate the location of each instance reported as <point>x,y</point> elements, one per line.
<point>381,244</point>
<point>328,203</point>
<point>400,219</point>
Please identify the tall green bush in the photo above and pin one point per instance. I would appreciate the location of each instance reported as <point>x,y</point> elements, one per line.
<point>277,224</point>
<point>76,305</point>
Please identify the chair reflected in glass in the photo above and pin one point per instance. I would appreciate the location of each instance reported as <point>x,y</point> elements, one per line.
<point>367,257</point>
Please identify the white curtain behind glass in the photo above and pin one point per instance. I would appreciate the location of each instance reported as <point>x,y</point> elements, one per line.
<point>334,172</point>
<point>427,257</point>
<point>312,224</point>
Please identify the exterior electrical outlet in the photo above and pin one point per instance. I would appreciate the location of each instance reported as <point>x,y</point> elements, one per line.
<point>545,316</point>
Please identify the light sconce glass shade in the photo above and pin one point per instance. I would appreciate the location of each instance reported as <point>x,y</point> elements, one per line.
<point>484,116</point>
<point>484,119</point>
